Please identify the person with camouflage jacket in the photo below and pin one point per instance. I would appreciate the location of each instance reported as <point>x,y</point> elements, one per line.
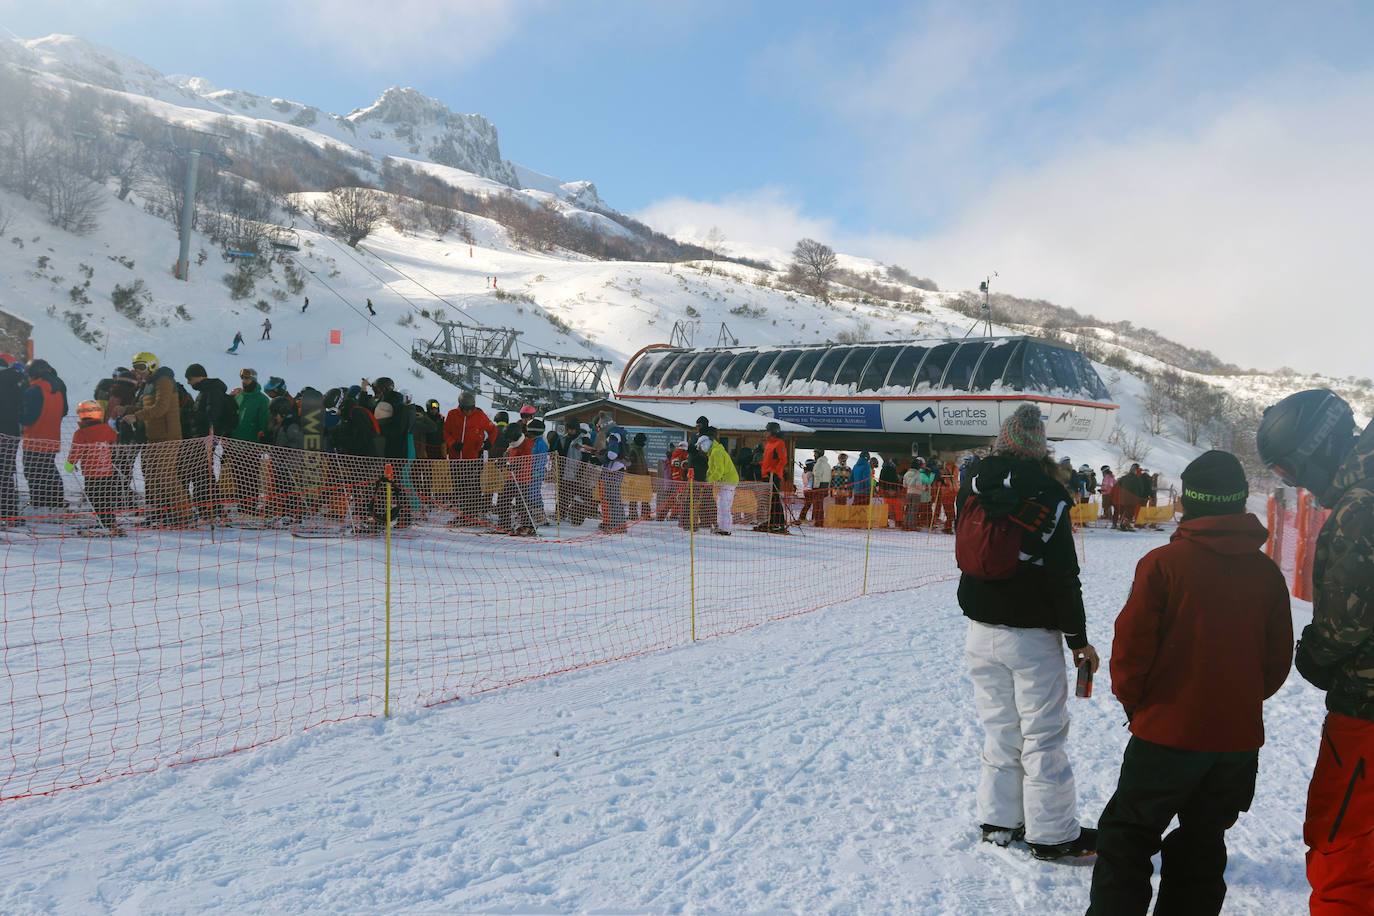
<point>1309,439</point>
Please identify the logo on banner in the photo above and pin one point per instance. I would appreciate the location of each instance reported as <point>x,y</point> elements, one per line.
<point>927,413</point>
<point>822,414</point>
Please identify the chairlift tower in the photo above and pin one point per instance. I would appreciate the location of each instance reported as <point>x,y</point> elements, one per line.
<point>467,354</point>
<point>201,143</point>
<point>986,319</point>
<point>684,331</point>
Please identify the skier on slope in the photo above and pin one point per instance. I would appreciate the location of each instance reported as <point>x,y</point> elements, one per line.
<point>1310,440</point>
<point>238,339</point>
<point>266,329</point>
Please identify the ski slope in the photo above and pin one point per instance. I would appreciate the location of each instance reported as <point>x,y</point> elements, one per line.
<point>824,763</point>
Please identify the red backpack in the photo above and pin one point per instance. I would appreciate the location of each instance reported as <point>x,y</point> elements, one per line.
<point>989,547</point>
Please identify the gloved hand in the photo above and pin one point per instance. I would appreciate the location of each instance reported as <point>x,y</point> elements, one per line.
<point>1314,673</point>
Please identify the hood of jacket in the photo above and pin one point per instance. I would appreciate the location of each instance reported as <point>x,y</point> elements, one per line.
<point>1227,535</point>
<point>1358,465</point>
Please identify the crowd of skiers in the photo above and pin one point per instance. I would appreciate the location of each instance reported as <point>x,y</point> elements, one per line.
<point>144,405</point>
<point>1204,638</point>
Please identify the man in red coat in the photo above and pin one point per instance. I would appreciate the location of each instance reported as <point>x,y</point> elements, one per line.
<point>774,468</point>
<point>1204,639</point>
<point>467,433</point>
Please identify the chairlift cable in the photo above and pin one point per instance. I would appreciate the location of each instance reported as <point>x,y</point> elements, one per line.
<point>449,302</point>
<point>374,276</point>
<point>403,348</point>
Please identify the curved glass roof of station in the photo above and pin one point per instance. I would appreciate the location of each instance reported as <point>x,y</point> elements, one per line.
<point>982,365</point>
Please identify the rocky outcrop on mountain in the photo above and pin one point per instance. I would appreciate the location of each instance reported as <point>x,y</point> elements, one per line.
<point>432,130</point>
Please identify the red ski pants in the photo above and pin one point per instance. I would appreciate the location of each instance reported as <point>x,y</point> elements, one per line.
<point>1339,831</point>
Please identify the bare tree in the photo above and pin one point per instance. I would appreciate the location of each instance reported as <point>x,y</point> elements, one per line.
<point>237,213</point>
<point>25,144</point>
<point>74,201</point>
<point>714,239</point>
<point>1133,447</point>
<point>351,213</point>
<point>815,264</point>
<point>441,220</point>
<point>1158,406</point>
<point>1198,406</point>
<point>5,218</point>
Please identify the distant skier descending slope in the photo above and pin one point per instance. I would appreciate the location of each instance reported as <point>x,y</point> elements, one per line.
<point>238,339</point>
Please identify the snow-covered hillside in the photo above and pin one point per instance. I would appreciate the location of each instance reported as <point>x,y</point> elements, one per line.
<point>559,301</point>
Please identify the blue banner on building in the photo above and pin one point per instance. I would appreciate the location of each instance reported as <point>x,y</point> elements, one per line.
<point>821,414</point>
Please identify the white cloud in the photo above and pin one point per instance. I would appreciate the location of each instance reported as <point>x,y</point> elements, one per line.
<point>409,33</point>
<point>1248,237</point>
<point>764,223</point>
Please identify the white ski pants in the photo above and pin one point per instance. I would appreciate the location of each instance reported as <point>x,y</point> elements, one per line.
<point>1021,692</point>
<point>725,498</point>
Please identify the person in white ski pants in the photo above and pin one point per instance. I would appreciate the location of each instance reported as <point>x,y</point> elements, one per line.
<point>1021,694</point>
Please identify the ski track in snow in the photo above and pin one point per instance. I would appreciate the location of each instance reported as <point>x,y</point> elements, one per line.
<point>824,763</point>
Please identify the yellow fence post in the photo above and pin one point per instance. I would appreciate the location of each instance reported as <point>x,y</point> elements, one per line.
<point>386,698</point>
<point>692,548</point>
<point>868,539</point>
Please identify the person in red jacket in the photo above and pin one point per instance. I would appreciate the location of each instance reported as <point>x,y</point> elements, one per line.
<point>467,433</point>
<point>44,406</point>
<point>774,468</point>
<point>512,505</point>
<point>91,451</point>
<point>1204,639</point>
<point>674,497</point>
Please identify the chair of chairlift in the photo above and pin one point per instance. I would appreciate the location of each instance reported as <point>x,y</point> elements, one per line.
<point>284,239</point>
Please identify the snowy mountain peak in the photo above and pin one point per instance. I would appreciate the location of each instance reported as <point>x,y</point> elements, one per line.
<point>429,128</point>
<point>197,84</point>
<point>87,62</point>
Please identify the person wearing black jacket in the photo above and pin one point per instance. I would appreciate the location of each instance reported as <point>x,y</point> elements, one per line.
<point>704,499</point>
<point>12,385</point>
<point>1014,649</point>
<point>396,428</point>
<point>209,420</point>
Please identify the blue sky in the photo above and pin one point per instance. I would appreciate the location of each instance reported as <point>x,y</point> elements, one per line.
<point>1200,168</point>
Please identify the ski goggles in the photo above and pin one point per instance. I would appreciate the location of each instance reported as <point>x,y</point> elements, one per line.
<point>1285,471</point>
<point>139,366</point>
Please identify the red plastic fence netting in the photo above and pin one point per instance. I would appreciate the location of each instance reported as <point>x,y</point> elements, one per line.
<point>1295,520</point>
<point>176,601</point>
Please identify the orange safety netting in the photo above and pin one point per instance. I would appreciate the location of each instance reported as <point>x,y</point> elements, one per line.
<point>1295,520</point>
<point>258,591</point>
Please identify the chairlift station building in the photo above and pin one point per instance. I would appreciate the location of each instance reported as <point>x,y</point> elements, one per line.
<point>931,395</point>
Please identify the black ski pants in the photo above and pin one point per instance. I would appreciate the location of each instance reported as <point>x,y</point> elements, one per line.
<point>1206,790</point>
<point>9,492</point>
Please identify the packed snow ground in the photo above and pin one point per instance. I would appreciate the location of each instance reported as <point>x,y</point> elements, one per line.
<point>824,763</point>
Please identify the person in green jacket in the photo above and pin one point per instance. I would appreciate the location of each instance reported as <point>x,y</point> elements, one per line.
<point>721,474</point>
<point>252,426</point>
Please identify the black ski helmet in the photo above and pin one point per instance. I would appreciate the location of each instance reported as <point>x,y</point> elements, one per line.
<point>1305,437</point>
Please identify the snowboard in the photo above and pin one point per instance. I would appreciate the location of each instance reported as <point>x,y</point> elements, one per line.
<point>313,470</point>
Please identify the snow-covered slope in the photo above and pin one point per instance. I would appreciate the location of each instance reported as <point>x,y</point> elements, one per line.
<point>560,302</point>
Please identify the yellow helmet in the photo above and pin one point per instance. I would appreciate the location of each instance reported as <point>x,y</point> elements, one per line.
<point>148,360</point>
<point>90,410</point>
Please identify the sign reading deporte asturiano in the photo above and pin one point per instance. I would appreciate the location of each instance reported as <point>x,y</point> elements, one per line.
<point>821,414</point>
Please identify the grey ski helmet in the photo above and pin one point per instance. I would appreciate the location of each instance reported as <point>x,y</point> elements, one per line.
<point>1305,437</point>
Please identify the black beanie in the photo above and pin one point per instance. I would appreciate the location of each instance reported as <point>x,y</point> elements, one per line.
<point>1214,484</point>
<point>195,370</point>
